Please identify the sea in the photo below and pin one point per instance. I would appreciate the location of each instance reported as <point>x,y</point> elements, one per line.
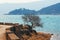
<point>51,23</point>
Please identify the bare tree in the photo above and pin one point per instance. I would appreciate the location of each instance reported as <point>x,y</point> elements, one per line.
<point>33,19</point>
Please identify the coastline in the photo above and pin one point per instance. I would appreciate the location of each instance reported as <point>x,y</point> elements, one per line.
<point>3,27</point>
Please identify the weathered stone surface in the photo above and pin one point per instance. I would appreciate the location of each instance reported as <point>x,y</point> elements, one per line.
<point>27,33</point>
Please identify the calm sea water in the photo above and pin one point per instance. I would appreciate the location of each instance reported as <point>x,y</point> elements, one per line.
<point>51,23</point>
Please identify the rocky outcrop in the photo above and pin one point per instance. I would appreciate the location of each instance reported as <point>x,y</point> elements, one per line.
<point>27,33</point>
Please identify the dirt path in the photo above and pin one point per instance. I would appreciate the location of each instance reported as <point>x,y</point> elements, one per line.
<point>3,31</point>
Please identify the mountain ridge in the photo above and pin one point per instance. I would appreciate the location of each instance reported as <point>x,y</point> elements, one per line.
<point>50,10</point>
<point>53,9</point>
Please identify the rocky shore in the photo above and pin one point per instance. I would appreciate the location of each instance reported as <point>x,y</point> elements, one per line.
<point>32,36</point>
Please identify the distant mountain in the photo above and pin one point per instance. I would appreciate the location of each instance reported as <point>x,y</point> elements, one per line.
<point>50,10</point>
<point>53,10</point>
<point>22,11</point>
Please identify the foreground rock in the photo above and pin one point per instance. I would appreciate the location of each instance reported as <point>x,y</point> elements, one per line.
<point>3,31</point>
<point>39,36</point>
<point>27,33</point>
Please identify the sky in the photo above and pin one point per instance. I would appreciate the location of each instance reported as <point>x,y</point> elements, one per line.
<point>17,1</point>
<point>8,5</point>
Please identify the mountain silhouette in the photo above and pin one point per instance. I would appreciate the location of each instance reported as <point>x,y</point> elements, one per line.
<point>53,9</point>
<point>50,10</point>
<point>22,11</point>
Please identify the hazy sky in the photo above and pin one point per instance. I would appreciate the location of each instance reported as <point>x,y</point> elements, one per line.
<point>9,5</point>
<point>17,1</point>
